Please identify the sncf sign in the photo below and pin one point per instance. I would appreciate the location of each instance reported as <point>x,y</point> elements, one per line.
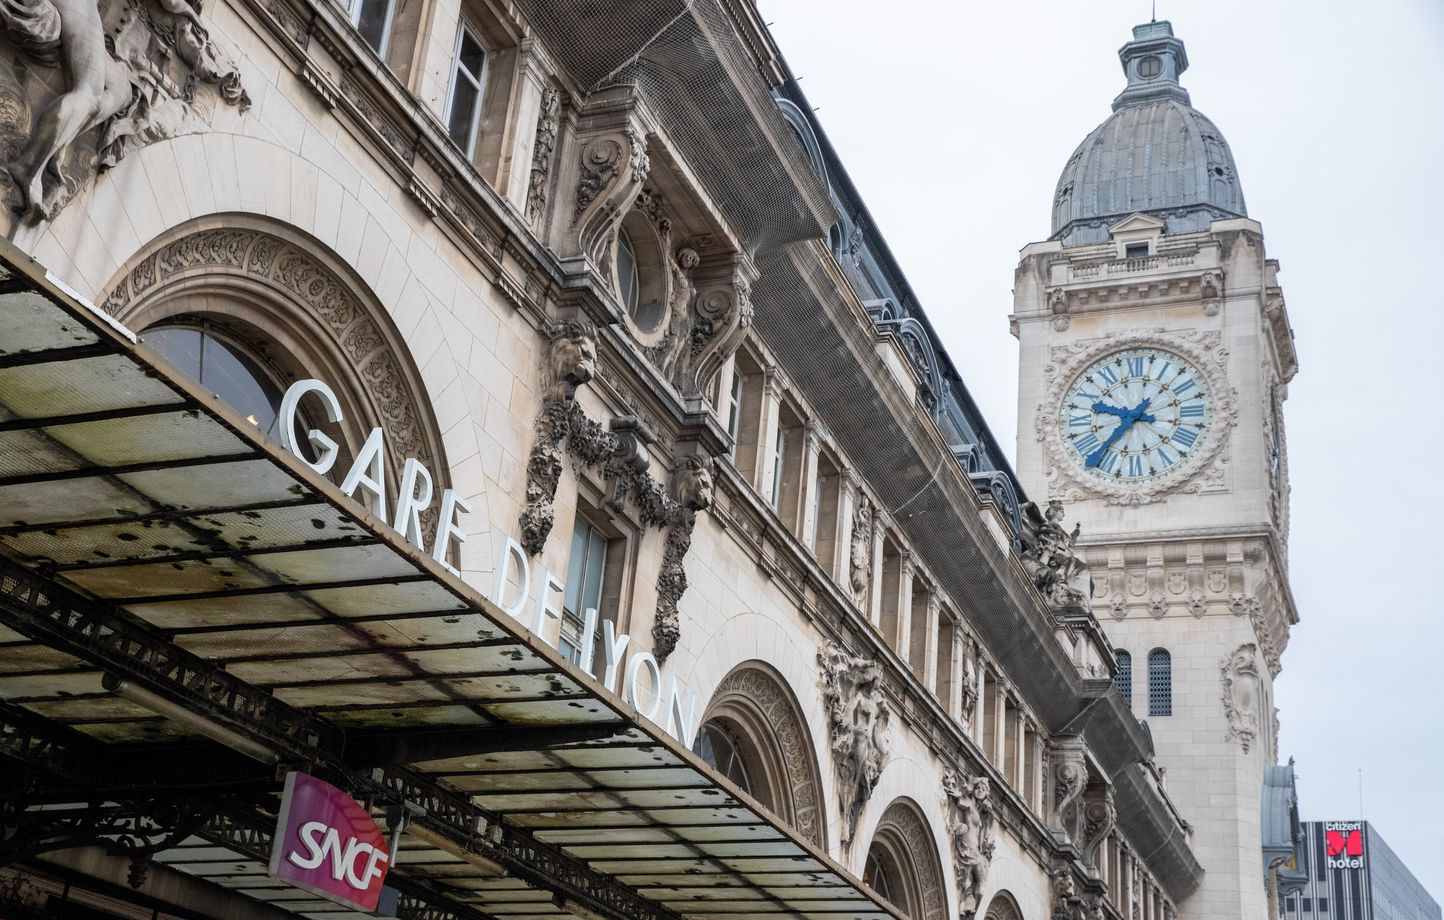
<point>1344,844</point>
<point>328,844</point>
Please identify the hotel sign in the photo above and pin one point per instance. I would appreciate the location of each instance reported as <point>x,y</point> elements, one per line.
<point>326,843</point>
<point>1344,844</point>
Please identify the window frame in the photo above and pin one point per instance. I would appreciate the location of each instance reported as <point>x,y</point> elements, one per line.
<point>1123,679</point>
<point>779,467</point>
<point>1160,683</point>
<point>575,591</point>
<point>464,28</point>
<point>734,409</point>
<point>353,12</point>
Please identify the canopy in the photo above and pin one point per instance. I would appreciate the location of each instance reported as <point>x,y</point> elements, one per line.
<point>150,534</point>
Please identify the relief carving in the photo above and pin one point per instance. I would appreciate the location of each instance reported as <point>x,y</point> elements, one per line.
<point>859,556</point>
<point>722,315</point>
<point>971,828</point>
<point>1070,778</point>
<point>97,84</point>
<point>970,679</point>
<point>541,154</point>
<point>858,720</point>
<point>1242,691</point>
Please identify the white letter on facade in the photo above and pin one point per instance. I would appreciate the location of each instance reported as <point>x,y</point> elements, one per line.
<point>679,720</point>
<point>634,668</point>
<point>325,447</point>
<point>447,527</point>
<point>544,606</point>
<point>589,642</point>
<point>369,472</point>
<point>512,552</point>
<point>412,501</point>
<point>615,646</point>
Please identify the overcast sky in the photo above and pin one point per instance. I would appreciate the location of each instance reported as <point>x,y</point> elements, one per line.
<point>954,120</point>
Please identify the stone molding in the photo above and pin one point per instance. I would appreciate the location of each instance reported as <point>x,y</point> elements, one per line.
<point>1196,473</point>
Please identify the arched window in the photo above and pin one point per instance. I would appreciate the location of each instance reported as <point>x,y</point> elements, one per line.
<point>902,863</point>
<point>222,365</point>
<point>754,734</point>
<point>1003,907</point>
<point>1160,683</point>
<point>1123,680</point>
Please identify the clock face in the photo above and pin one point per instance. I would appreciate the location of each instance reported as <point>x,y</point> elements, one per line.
<point>1134,415</point>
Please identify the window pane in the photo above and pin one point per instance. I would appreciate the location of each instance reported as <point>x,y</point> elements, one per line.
<point>596,562</point>
<point>239,383</point>
<point>627,284</point>
<point>181,347</point>
<point>461,123</point>
<point>576,565</point>
<point>371,22</point>
<point>470,56</point>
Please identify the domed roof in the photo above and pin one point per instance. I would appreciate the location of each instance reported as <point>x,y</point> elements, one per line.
<point>1155,153</point>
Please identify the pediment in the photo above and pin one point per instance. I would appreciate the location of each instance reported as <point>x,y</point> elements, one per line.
<point>1137,223</point>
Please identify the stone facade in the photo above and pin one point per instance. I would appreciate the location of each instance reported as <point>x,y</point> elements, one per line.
<point>593,325</point>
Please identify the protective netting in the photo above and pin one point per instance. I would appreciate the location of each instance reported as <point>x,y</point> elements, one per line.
<point>687,62</point>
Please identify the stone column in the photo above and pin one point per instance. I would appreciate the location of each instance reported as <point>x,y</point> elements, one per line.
<point>902,642</point>
<point>813,435</point>
<point>930,642</point>
<point>1000,737</point>
<point>846,510</point>
<point>955,704</point>
<point>774,382</point>
<point>881,524</point>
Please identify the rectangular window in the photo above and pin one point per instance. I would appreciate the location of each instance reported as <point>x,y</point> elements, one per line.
<point>734,409</point>
<point>586,572</point>
<point>372,18</point>
<point>468,72</point>
<point>1135,251</point>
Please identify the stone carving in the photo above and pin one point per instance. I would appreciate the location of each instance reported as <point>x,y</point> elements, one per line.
<point>1070,778</point>
<point>1240,604</point>
<point>571,362</point>
<point>762,690</point>
<point>1051,557</point>
<point>613,167</point>
<point>971,828</point>
<point>1066,479</point>
<point>1099,817</point>
<point>1242,691</point>
<point>858,720</point>
<point>1210,288</point>
<point>859,559</point>
<point>1118,607</point>
<point>100,81</point>
<point>672,355</point>
<point>1157,605</point>
<point>694,494</point>
<point>723,314</point>
<point>541,154</point>
<point>970,679</point>
<point>1196,604</point>
<point>903,823</point>
<point>1066,903</point>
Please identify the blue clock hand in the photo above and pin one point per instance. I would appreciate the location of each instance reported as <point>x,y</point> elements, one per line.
<point>1109,410</point>
<point>1126,420</point>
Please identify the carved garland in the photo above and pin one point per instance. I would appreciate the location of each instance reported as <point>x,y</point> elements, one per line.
<point>1066,478</point>
<point>618,454</point>
<point>541,156</point>
<point>1242,693</point>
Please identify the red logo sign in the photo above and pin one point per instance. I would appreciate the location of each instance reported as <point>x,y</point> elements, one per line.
<point>1344,843</point>
<point>328,844</point>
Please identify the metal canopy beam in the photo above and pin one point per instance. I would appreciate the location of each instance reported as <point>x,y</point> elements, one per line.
<point>389,747</point>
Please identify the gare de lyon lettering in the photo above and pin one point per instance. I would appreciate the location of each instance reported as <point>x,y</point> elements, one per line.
<point>368,475</point>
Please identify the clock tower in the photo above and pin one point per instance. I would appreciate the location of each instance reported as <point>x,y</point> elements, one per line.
<point>1155,354</point>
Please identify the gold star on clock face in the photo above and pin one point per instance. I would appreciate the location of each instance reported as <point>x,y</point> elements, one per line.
<point>1134,415</point>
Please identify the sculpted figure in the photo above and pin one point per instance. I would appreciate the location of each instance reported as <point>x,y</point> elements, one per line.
<point>1050,554</point>
<point>118,74</point>
<point>970,824</point>
<point>860,553</point>
<point>694,494</point>
<point>674,353</point>
<point>858,719</point>
<point>695,488</point>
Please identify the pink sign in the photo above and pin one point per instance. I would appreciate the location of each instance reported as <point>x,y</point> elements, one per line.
<point>328,844</point>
